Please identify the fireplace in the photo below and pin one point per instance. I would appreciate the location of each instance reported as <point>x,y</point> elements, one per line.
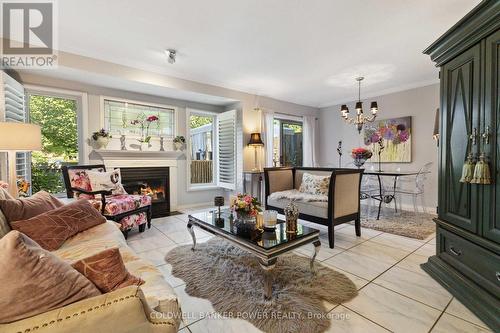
<point>152,181</point>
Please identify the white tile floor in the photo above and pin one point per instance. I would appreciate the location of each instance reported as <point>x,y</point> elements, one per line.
<point>395,294</point>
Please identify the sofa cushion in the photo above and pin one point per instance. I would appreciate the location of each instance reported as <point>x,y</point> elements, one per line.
<point>117,204</point>
<point>26,208</point>
<point>313,208</point>
<point>53,228</point>
<point>159,294</point>
<point>4,225</point>
<point>314,184</point>
<point>107,271</point>
<point>33,281</point>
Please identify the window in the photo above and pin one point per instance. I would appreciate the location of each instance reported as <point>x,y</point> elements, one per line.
<point>211,149</point>
<point>58,119</point>
<point>200,148</point>
<point>118,115</point>
<point>287,143</point>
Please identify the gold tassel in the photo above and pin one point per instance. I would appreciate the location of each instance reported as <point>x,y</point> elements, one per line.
<point>482,173</point>
<point>468,170</point>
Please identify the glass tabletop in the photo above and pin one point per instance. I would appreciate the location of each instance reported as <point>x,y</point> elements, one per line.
<point>261,238</point>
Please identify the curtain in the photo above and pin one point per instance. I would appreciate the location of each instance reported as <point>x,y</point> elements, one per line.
<point>267,134</point>
<point>309,141</point>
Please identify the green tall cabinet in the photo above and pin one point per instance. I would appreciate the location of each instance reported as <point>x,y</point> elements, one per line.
<point>467,260</point>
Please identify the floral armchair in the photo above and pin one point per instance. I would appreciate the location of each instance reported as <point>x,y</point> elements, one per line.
<point>130,210</point>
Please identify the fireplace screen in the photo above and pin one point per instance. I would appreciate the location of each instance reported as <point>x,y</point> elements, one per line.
<point>152,181</point>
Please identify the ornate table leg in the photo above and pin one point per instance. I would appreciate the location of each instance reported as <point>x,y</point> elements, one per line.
<point>317,247</point>
<point>191,231</point>
<point>267,266</point>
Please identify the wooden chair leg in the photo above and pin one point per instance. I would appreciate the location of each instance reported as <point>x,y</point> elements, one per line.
<point>357,226</point>
<point>331,238</point>
<point>142,227</point>
<point>149,215</point>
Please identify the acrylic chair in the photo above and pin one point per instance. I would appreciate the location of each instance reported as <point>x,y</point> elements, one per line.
<point>415,187</point>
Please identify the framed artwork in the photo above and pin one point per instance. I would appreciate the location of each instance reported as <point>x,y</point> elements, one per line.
<point>396,137</point>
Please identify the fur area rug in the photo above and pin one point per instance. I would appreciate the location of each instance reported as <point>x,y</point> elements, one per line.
<point>405,223</point>
<point>298,196</point>
<point>232,280</point>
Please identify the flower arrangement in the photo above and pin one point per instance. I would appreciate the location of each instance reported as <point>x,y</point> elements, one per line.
<point>179,139</point>
<point>23,187</point>
<point>144,124</point>
<point>361,153</point>
<point>245,205</point>
<point>102,133</point>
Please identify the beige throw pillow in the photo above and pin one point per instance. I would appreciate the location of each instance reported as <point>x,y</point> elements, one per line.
<point>314,184</point>
<point>33,280</point>
<point>106,181</point>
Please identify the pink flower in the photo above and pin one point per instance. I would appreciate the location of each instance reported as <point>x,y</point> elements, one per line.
<point>151,118</point>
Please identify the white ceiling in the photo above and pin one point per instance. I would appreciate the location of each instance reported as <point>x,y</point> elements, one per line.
<point>302,51</point>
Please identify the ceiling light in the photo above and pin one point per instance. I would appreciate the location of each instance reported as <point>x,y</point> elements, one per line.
<point>360,119</point>
<point>171,54</point>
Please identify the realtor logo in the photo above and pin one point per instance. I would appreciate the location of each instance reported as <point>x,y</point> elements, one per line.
<point>28,34</point>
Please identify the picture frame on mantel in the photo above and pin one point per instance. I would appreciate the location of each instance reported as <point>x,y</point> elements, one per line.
<point>396,135</point>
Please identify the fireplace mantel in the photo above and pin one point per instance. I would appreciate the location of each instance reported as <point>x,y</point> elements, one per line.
<point>103,154</point>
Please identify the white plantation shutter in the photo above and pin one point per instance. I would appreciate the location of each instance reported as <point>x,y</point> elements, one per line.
<point>226,149</point>
<point>15,111</point>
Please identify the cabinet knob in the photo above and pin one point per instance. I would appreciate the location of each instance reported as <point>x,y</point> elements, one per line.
<point>455,252</point>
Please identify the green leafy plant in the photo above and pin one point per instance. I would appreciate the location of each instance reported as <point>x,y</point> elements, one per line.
<point>179,139</point>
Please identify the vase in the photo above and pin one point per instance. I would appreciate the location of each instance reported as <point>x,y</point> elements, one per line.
<point>244,223</point>
<point>144,146</point>
<point>102,142</point>
<point>178,146</point>
<point>359,162</point>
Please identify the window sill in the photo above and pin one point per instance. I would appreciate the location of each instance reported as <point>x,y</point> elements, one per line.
<point>196,188</point>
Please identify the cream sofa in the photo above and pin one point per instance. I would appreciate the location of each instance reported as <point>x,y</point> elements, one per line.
<point>152,307</point>
<point>343,196</point>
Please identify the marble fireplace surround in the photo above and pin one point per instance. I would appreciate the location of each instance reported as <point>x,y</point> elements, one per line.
<point>134,158</point>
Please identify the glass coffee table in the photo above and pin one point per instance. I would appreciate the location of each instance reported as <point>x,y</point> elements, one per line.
<point>267,246</point>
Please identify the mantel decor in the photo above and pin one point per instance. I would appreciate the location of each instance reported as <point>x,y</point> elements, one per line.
<point>360,119</point>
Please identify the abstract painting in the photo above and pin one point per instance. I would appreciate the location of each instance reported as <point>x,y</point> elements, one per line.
<point>396,137</point>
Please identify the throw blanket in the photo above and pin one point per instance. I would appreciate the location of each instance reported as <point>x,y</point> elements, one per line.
<point>297,196</point>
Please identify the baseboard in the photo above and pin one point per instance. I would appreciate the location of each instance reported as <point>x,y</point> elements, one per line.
<point>484,305</point>
<point>195,205</point>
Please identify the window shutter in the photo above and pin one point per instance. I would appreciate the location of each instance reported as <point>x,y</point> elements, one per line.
<point>226,149</point>
<point>15,111</point>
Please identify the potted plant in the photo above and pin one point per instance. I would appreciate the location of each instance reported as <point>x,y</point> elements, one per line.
<point>101,138</point>
<point>144,124</point>
<point>179,142</point>
<point>360,155</point>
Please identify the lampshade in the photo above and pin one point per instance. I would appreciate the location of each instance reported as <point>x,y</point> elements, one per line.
<point>255,140</point>
<point>20,137</point>
<point>359,106</point>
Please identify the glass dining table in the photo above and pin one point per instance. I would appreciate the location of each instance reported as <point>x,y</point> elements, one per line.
<point>383,195</point>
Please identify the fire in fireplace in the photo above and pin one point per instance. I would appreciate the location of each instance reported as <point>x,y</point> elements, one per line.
<point>152,181</point>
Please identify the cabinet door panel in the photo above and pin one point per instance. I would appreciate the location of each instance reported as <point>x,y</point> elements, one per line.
<point>460,115</point>
<point>491,217</point>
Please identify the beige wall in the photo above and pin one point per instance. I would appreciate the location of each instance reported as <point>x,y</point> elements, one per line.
<point>419,103</point>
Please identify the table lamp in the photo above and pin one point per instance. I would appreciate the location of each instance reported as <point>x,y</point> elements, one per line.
<point>18,137</point>
<point>255,141</point>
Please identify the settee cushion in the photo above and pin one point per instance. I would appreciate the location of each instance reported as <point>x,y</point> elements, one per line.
<point>33,280</point>
<point>313,208</point>
<point>107,271</point>
<point>117,204</point>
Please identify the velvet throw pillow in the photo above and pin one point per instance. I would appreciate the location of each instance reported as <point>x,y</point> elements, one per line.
<point>25,208</point>
<point>106,181</point>
<point>107,271</point>
<point>314,184</point>
<point>53,228</point>
<point>33,280</point>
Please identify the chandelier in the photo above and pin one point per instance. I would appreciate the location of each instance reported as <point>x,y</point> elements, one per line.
<point>360,118</point>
